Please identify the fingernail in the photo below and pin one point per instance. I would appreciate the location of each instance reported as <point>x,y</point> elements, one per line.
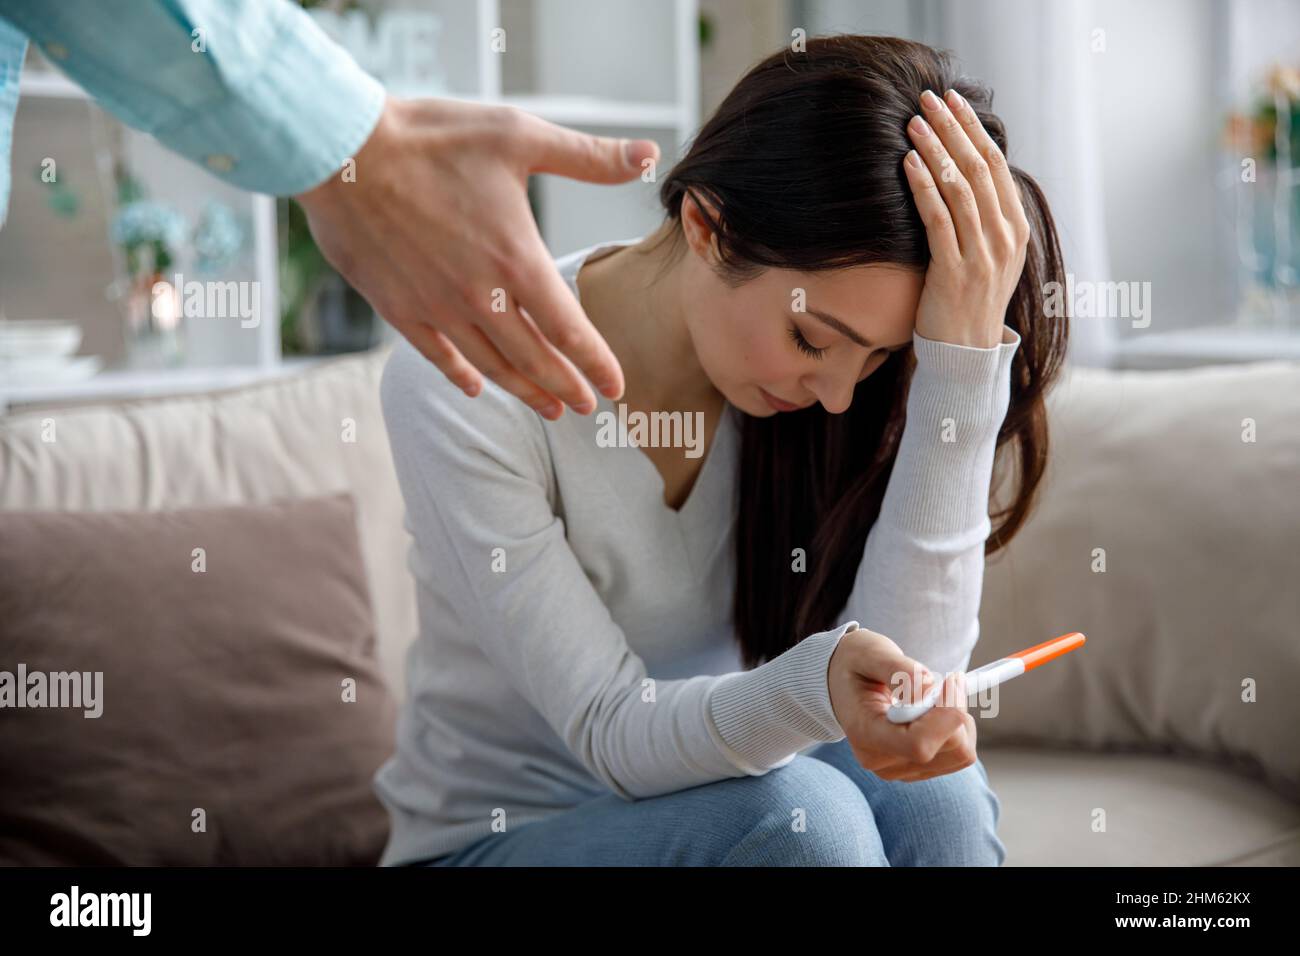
<point>610,389</point>
<point>551,410</point>
<point>930,101</point>
<point>955,99</point>
<point>914,159</point>
<point>919,126</point>
<point>584,408</point>
<point>635,155</point>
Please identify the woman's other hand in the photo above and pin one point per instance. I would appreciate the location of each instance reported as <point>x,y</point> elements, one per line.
<point>976,225</point>
<point>863,671</point>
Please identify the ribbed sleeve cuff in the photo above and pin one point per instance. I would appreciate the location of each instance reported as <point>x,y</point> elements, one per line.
<point>766,715</point>
<point>964,363</point>
<point>956,404</point>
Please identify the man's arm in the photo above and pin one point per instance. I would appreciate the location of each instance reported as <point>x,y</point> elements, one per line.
<point>251,90</point>
<point>13,47</point>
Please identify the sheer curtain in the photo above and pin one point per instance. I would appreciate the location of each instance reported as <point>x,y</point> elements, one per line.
<point>1037,58</point>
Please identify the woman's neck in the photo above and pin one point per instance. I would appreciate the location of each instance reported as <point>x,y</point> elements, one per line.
<point>644,322</point>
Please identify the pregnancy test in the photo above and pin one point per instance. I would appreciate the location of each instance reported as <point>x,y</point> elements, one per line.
<point>991,675</point>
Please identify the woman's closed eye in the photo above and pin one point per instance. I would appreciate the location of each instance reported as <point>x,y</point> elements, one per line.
<point>806,347</point>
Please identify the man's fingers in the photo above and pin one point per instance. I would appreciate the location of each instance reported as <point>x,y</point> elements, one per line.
<point>550,303</point>
<point>479,349</point>
<point>523,346</point>
<point>594,159</point>
<point>439,350</point>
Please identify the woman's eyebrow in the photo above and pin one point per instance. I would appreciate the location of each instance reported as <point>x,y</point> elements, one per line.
<point>843,329</point>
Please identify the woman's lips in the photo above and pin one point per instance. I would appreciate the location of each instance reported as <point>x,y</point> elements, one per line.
<point>776,403</point>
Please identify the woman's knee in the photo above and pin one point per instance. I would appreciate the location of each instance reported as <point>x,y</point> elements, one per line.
<point>806,813</point>
<point>950,820</point>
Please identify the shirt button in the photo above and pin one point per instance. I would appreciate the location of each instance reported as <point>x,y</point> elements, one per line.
<point>220,162</point>
<point>56,50</point>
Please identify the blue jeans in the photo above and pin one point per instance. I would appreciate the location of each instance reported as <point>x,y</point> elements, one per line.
<point>821,809</point>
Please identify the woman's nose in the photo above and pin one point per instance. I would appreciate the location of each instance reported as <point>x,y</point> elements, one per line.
<point>834,388</point>
<point>834,391</point>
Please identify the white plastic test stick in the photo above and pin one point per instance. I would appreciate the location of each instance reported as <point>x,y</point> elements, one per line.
<point>991,674</point>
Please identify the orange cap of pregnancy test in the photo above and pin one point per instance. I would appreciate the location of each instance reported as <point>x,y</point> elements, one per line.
<point>1049,650</point>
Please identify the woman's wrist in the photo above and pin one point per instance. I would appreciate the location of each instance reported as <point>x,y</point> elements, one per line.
<point>970,339</point>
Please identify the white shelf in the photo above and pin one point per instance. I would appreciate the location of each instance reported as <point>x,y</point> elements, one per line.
<point>573,110</point>
<point>150,383</point>
<point>1209,345</point>
<point>594,111</point>
<point>46,84</point>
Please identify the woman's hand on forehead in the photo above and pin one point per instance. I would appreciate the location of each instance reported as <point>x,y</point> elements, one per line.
<point>974,220</point>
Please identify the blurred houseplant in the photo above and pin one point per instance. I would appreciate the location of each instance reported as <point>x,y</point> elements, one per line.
<point>319,311</point>
<point>153,238</point>
<point>149,235</point>
<point>1254,132</point>
<point>1265,140</point>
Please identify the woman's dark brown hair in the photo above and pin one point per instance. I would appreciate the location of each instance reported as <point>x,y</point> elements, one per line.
<point>803,162</point>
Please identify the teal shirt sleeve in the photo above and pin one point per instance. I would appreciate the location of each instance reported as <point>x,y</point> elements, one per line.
<point>13,47</point>
<point>253,90</point>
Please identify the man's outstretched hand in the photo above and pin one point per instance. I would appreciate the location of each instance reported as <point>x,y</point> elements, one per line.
<point>435,230</point>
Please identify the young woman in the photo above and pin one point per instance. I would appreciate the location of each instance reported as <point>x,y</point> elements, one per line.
<point>658,655</point>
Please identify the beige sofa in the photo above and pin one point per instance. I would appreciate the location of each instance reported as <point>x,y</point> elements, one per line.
<point>1169,540</point>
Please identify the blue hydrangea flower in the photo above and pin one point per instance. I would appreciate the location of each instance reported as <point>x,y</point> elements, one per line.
<point>148,221</point>
<point>218,237</point>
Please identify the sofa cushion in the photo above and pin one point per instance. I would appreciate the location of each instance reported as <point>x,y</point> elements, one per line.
<point>189,687</point>
<point>314,433</point>
<point>1196,608</point>
<point>1076,808</point>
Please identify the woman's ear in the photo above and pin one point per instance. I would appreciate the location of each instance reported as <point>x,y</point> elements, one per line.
<point>714,250</point>
<point>700,234</point>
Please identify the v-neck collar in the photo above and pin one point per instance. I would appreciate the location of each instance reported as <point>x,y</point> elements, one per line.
<point>704,486</point>
<point>712,492</point>
<point>701,525</point>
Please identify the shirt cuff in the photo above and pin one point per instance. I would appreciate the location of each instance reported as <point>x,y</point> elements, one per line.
<point>965,363</point>
<point>765,716</point>
<point>959,394</point>
<point>13,47</point>
<point>292,125</point>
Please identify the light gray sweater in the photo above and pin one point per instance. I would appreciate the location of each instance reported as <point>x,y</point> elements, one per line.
<point>576,635</point>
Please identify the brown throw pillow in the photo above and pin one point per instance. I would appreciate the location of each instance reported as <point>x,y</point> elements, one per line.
<point>190,687</point>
